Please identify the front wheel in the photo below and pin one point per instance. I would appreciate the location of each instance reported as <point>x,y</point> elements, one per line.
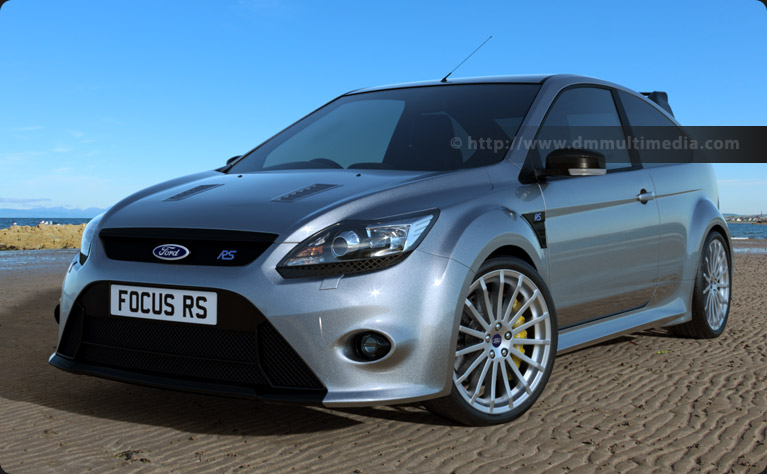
<point>505,348</point>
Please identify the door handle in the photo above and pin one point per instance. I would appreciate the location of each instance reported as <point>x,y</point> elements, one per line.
<point>645,196</point>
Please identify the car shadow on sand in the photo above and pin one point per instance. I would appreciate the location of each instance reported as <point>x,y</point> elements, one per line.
<point>632,338</point>
<point>659,332</point>
<point>23,360</point>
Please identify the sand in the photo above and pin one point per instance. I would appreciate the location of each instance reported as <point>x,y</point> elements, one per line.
<point>24,237</point>
<point>646,402</point>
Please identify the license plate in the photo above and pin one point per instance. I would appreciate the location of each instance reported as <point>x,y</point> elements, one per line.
<point>184,306</point>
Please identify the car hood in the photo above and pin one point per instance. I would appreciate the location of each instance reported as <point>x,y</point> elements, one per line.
<point>274,201</point>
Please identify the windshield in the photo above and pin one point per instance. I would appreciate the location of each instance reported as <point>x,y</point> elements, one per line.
<point>434,128</point>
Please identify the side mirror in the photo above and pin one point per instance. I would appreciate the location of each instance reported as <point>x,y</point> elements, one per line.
<point>232,160</point>
<point>573,162</point>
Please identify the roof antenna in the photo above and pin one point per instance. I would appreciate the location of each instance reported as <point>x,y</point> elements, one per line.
<point>444,79</point>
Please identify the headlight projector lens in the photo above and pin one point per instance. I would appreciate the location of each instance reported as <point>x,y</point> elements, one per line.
<point>344,243</point>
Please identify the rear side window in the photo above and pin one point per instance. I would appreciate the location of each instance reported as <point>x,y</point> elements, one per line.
<point>584,117</point>
<point>656,138</point>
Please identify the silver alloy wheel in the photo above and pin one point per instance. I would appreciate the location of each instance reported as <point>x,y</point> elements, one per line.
<point>494,336</point>
<point>717,279</point>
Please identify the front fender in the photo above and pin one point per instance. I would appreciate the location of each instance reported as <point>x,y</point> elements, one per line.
<point>485,229</point>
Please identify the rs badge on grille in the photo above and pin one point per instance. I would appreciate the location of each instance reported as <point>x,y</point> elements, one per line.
<point>171,252</point>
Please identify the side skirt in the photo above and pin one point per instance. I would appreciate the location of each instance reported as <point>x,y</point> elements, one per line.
<point>594,332</point>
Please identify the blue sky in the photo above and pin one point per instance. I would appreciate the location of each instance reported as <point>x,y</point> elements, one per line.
<point>102,98</point>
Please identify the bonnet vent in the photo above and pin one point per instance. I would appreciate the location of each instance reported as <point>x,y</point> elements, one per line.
<point>304,192</point>
<point>191,192</point>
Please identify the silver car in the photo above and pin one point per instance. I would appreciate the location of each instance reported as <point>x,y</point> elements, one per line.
<point>437,242</point>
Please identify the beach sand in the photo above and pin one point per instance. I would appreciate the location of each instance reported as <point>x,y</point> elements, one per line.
<point>645,402</point>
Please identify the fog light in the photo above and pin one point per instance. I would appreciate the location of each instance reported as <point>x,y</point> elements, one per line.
<point>372,346</point>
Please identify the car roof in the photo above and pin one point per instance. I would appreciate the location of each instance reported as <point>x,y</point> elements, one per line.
<point>557,80</point>
<point>521,79</point>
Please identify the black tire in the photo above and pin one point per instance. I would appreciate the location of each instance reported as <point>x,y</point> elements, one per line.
<point>700,327</point>
<point>455,406</point>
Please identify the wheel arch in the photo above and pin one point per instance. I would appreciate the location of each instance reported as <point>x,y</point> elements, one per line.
<point>705,219</point>
<point>498,232</point>
<point>515,252</point>
<point>724,230</point>
<point>486,233</point>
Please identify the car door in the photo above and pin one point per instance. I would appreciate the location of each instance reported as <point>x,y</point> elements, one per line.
<point>677,181</point>
<point>602,232</point>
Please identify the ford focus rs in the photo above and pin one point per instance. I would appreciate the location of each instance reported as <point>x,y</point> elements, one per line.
<point>436,242</point>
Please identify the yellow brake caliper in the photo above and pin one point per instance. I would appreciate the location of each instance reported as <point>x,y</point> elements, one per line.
<point>520,335</point>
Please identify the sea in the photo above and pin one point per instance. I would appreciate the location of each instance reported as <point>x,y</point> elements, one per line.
<point>6,222</point>
<point>747,231</point>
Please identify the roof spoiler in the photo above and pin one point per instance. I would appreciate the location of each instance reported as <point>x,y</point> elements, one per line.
<point>660,98</point>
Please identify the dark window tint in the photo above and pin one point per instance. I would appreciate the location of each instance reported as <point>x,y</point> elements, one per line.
<point>656,138</point>
<point>585,118</point>
<point>355,132</point>
<point>433,128</point>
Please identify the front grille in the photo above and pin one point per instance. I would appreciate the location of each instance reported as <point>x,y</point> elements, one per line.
<point>180,339</point>
<point>206,246</point>
<point>72,333</point>
<point>243,350</point>
<point>215,371</point>
<point>281,363</point>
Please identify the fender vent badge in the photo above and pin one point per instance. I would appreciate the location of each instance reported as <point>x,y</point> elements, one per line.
<point>537,221</point>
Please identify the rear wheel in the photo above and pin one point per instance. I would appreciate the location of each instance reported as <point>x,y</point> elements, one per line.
<point>712,293</point>
<point>505,348</point>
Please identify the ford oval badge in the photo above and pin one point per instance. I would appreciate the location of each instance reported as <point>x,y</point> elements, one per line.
<point>171,252</point>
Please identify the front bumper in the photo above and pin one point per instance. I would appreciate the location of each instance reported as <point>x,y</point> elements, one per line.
<point>185,385</point>
<point>413,303</point>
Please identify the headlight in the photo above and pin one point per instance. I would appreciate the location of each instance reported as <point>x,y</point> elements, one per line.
<point>356,246</point>
<point>87,240</point>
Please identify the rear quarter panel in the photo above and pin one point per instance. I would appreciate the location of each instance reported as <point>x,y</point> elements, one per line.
<point>688,197</point>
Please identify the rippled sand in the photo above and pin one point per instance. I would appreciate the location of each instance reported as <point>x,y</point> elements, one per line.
<point>646,402</point>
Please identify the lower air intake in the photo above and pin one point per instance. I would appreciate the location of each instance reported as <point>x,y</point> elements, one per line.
<point>243,350</point>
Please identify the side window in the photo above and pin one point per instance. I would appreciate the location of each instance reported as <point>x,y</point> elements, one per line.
<point>657,139</point>
<point>584,117</point>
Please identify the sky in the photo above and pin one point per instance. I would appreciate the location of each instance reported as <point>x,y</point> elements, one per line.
<point>99,99</point>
